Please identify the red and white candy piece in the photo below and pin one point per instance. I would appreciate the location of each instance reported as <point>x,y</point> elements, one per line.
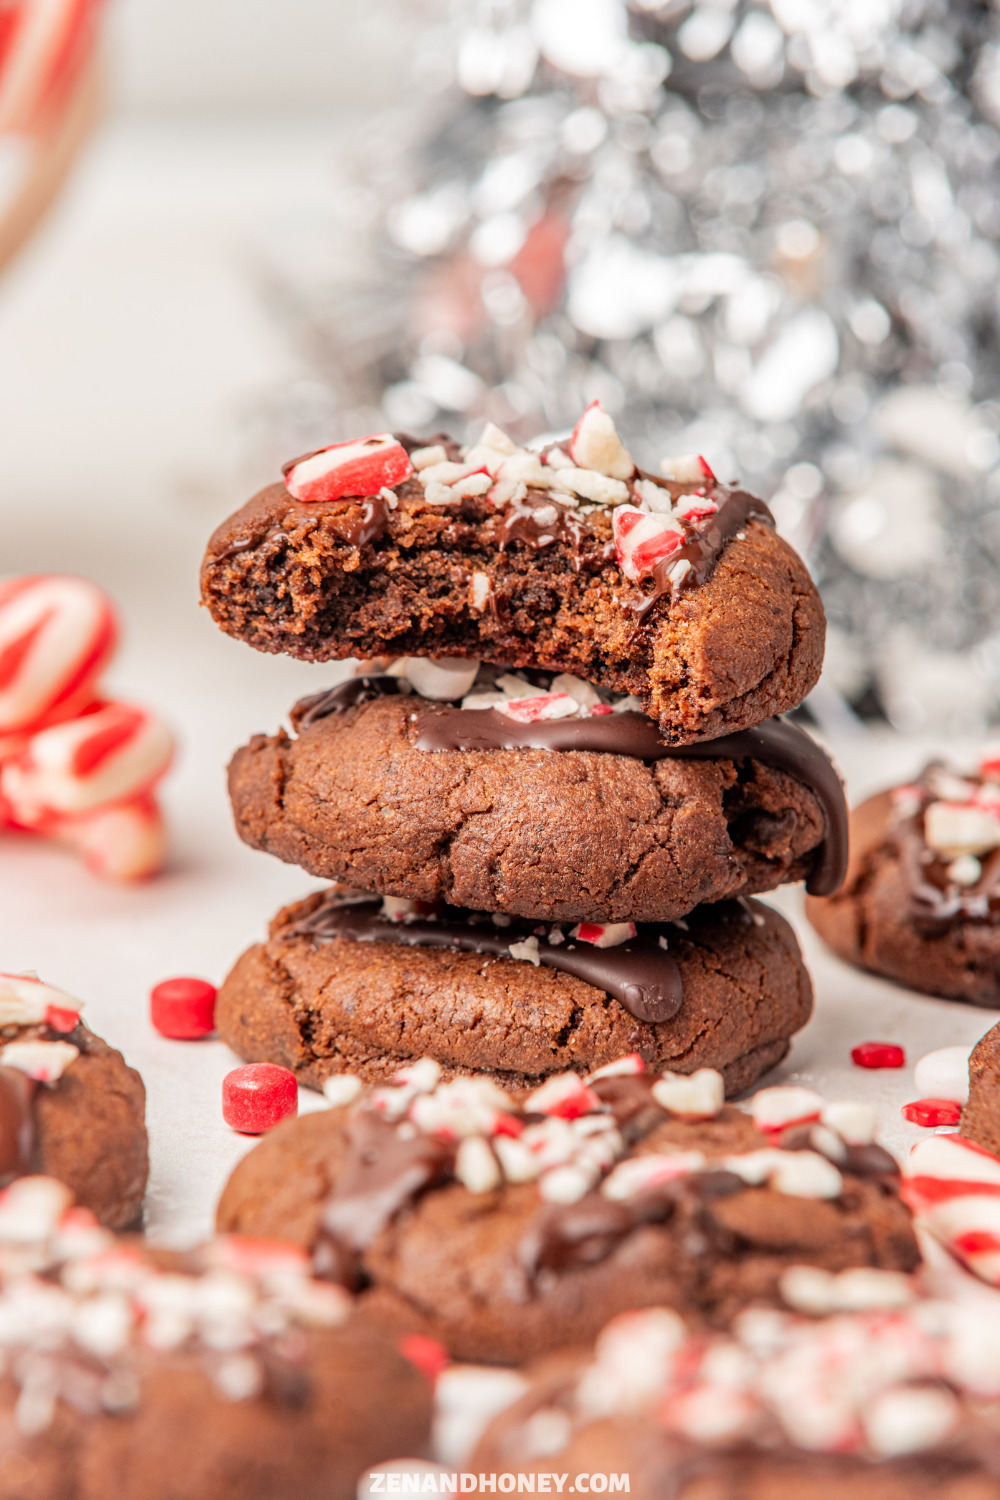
<point>930,1113</point>
<point>258,1096</point>
<point>445,678</point>
<point>642,540</point>
<point>604,934</point>
<point>43,1061</point>
<point>57,634</point>
<point>629,1066</point>
<point>106,757</point>
<point>595,444</point>
<point>954,828</point>
<point>642,1174</point>
<point>777,1108</point>
<point>688,468</point>
<point>694,1096</point>
<point>944,1074</point>
<point>540,706</point>
<point>878,1055</point>
<point>183,1008</point>
<point>349,471</point>
<point>31,1208</point>
<point>953,1186</point>
<point>26,1001</point>
<point>126,842</point>
<point>564,1095</point>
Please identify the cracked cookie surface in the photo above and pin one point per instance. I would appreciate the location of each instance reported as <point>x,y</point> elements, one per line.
<point>561,836</point>
<point>325,1007</point>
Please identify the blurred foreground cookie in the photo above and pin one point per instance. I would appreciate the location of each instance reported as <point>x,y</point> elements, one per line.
<point>894,1398</point>
<point>921,901</point>
<point>676,589</point>
<point>224,1373</point>
<point>506,1230</point>
<point>70,1106</point>
<point>557,805</point>
<point>347,983</point>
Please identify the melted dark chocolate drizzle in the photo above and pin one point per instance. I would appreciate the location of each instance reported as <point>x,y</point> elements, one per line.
<point>520,524</point>
<point>706,544</point>
<point>774,743</point>
<point>349,694</point>
<point>937,903</point>
<point>18,1144</point>
<point>640,974</point>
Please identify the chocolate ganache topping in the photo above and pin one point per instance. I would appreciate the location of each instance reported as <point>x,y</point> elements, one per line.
<point>775,743</point>
<point>704,545</point>
<point>641,974</point>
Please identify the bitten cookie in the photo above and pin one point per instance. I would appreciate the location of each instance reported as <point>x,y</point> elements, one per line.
<point>70,1106</point>
<point>221,1374</point>
<point>508,1230</point>
<point>921,901</point>
<point>392,793</point>
<point>890,1404</point>
<point>677,590</point>
<point>340,986</point>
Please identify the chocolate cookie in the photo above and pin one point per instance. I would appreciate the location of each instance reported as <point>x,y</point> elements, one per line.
<point>506,1231</point>
<point>70,1106</point>
<point>921,900</point>
<point>221,1374</point>
<point>341,987</point>
<point>981,1115</point>
<point>853,1406</point>
<point>676,590</point>
<point>617,826</point>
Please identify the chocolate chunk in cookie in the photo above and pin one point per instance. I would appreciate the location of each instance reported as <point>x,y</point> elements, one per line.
<point>342,986</point>
<point>676,590</point>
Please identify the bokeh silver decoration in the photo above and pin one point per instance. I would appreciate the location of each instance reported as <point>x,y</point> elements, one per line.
<point>769,232</point>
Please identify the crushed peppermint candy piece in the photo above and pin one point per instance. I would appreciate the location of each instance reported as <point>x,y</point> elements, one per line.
<point>966,870</point>
<point>564,1095</point>
<point>690,468</point>
<point>540,706</point>
<point>26,1001</point>
<point>588,485</point>
<point>424,458</point>
<point>443,679</point>
<point>595,444</point>
<point>629,1066</point>
<point>695,508</point>
<point>348,470</point>
<point>777,1108</point>
<point>653,497</point>
<point>955,828</point>
<point>642,1174</point>
<point>694,1096</point>
<point>342,1089</point>
<point>46,1062</point>
<point>878,1055</point>
<point>476,1167</point>
<point>909,1418</point>
<point>460,1108</point>
<point>930,1113</point>
<point>604,934</point>
<point>527,951</point>
<point>643,540</point>
<point>944,1074</point>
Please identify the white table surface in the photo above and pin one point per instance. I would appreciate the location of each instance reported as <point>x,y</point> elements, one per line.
<point>134,350</point>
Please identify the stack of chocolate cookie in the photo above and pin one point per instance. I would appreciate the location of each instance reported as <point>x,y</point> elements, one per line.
<point>557,778</point>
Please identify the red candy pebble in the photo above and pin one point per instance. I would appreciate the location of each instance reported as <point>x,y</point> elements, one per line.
<point>878,1055</point>
<point>930,1112</point>
<point>258,1097</point>
<point>183,1008</point>
<point>427,1354</point>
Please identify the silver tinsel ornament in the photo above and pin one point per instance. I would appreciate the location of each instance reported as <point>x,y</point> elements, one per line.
<point>765,231</point>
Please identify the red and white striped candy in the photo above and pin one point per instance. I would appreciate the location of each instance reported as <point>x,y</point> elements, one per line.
<point>642,540</point>
<point>688,468</point>
<point>596,445</point>
<point>953,1187</point>
<point>104,758</point>
<point>777,1108</point>
<point>43,1061</point>
<point>349,471</point>
<point>57,634</point>
<point>125,842</point>
<point>43,46</point>
<point>26,1001</point>
<point>565,1095</point>
<point>540,706</point>
<point>604,934</point>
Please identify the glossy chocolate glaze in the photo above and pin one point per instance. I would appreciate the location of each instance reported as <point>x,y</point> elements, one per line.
<point>640,974</point>
<point>938,903</point>
<point>704,547</point>
<point>774,743</point>
<point>520,524</point>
